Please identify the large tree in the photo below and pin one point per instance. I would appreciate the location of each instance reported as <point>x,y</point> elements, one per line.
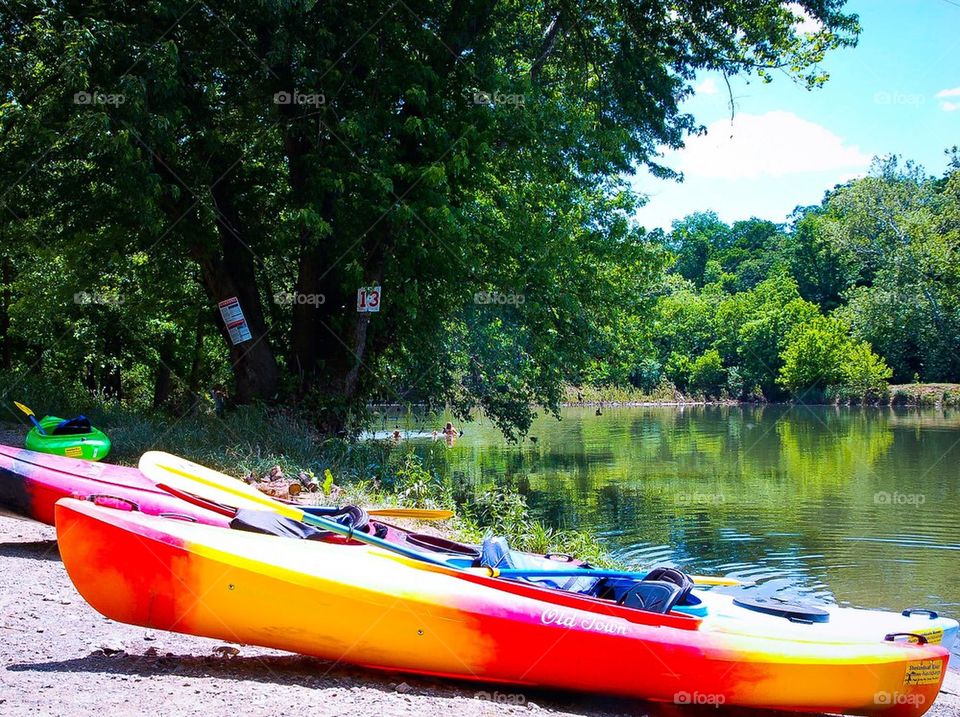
<point>439,149</point>
<point>899,227</point>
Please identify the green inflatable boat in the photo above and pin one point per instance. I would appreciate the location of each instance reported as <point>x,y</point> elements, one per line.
<point>73,437</point>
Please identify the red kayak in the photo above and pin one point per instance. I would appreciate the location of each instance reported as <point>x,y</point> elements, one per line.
<point>31,483</point>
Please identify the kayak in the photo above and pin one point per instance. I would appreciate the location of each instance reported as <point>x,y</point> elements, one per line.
<point>31,483</point>
<point>360,604</point>
<point>74,438</point>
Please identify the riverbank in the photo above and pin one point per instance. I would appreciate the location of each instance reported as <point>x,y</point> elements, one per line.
<point>58,656</point>
<point>910,395</point>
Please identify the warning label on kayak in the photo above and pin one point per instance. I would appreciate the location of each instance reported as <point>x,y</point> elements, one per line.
<point>934,635</point>
<point>235,321</point>
<point>923,672</point>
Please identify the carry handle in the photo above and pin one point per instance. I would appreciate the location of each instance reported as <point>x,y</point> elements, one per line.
<point>911,611</point>
<point>179,516</point>
<point>921,639</point>
<point>104,500</point>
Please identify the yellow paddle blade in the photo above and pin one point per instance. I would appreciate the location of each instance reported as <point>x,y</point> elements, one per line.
<point>189,477</point>
<point>25,409</point>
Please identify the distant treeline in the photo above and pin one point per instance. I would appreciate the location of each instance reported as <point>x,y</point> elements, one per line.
<point>847,296</point>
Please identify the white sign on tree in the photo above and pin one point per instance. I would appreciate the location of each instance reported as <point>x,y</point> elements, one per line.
<point>235,321</point>
<point>368,299</point>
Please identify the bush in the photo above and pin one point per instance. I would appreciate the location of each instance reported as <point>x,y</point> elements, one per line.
<point>678,370</point>
<point>707,375</point>
<point>821,359</point>
<point>865,374</point>
<point>815,356</point>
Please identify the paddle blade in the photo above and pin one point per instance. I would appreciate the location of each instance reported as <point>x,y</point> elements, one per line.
<point>32,416</point>
<point>180,474</point>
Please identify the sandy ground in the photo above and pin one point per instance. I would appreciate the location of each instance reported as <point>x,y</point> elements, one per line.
<point>59,657</point>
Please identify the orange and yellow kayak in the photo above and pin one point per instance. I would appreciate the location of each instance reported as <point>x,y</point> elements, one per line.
<point>360,604</point>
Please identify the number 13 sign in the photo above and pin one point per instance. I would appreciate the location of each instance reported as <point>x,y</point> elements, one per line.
<point>368,299</point>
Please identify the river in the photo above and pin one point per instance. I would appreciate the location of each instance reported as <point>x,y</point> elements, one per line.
<point>858,506</point>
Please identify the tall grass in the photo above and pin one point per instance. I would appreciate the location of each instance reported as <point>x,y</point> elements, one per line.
<point>254,440</point>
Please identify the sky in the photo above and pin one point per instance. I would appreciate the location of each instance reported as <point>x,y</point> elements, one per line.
<point>896,92</point>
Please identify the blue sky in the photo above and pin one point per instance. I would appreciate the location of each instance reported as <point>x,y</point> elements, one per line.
<point>897,92</point>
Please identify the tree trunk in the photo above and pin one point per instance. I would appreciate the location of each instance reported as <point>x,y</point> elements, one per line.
<point>163,382</point>
<point>111,377</point>
<point>196,363</point>
<point>229,273</point>
<point>6,298</point>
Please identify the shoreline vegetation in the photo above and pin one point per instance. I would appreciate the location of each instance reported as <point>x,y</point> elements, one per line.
<point>932,395</point>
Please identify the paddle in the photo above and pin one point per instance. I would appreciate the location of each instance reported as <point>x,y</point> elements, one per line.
<point>415,513</point>
<point>32,416</point>
<point>182,475</point>
<point>178,475</point>
<point>596,573</point>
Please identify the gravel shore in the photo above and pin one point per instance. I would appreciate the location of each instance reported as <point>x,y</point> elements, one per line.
<point>59,657</point>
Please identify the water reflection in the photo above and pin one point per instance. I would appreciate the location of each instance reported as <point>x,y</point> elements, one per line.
<point>854,505</point>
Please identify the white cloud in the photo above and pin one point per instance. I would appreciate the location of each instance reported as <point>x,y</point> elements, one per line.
<point>707,87</point>
<point>806,24</point>
<point>945,104</point>
<point>774,144</point>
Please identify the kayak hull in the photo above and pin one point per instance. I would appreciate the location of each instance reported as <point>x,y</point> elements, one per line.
<point>31,483</point>
<point>92,446</point>
<point>361,605</point>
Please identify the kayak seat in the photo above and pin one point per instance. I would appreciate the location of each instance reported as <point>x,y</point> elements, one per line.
<point>496,553</point>
<point>635,593</point>
<point>652,595</point>
<point>270,523</point>
<point>73,427</point>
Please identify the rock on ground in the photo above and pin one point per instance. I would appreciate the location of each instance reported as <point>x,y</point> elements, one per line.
<point>59,657</point>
